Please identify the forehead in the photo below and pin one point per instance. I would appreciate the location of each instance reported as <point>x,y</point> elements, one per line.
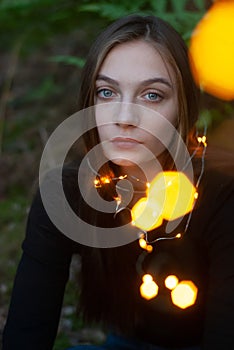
<point>139,56</point>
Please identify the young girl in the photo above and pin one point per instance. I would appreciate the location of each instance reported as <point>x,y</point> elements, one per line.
<point>140,108</point>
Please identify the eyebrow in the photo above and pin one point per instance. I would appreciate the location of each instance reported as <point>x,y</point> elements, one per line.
<point>143,82</point>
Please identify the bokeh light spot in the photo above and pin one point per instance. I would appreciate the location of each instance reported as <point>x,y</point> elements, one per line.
<point>212,51</point>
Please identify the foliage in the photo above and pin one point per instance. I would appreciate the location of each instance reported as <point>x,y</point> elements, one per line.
<point>183,14</point>
<point>37,21</point>
<point>62,342</point>
<point>75,61</point>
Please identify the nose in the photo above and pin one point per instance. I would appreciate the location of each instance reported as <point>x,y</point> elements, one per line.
<point>126,115</point>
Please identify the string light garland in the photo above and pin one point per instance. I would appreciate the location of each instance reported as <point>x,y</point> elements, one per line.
<point>148,214</point>
<point>183,294</point>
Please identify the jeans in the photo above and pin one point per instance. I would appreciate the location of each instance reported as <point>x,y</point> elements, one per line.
<point>115,342</point>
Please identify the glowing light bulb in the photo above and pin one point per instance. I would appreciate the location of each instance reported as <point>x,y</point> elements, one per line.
<point>149,288</point>
<point>212,51</point>
<point>105,180</point>
<point>196,195</point>
<point>149,248</point>
<point>202,140</point>
<point>171,282</point>
<point>122,177</point>
<point>184,294</point>
<point>142,243</point>
<point>97,183</point>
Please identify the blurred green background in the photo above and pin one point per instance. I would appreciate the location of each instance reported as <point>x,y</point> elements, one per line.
<point>43,48</point>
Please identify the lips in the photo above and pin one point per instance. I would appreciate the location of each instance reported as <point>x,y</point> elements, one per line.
<point>125,142</point>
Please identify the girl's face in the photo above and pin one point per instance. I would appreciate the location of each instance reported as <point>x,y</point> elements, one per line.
<point>135,76</point>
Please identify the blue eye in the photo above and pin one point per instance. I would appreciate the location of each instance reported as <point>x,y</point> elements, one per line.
<point>105,93</point>
<point>152,96</point>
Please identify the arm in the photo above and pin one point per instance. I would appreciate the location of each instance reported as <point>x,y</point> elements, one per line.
<point>35,306</point>
<point>39,285</point>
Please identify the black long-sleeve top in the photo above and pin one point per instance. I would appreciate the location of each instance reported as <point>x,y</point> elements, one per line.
<point>204,255</point>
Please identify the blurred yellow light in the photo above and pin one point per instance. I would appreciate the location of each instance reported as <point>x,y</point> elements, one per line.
<point>146,214</point>
<point>174,191</point>
<point>142,243</point>
<point>184,294</point>
<point>212,51</point>
<point>149,248</point>
<point>149,288</point>
<point>169,196</point>
<point>105,180</point>
<point>97,183</point>
<point>122,177</point>
<point>171,282</point>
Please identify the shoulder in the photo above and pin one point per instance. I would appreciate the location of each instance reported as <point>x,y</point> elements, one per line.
<point>48,223</point>
<point>213,218</point>
<point>218,178</point>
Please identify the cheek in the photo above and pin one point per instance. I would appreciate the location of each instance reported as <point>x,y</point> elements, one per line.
<point>103,119</point>
<point>173,118</point>
<point>100,126</point>
<point>171,113</point>
<point>162,134</point>
<point>103,132</point>
<point>169,110</point>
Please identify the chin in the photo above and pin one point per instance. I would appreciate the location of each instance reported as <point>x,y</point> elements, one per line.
<point>122,162</point>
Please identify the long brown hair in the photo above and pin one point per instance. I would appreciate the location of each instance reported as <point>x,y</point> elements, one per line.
<point>105,270</point>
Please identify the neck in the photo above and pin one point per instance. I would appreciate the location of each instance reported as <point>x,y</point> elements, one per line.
<point>139,176</point>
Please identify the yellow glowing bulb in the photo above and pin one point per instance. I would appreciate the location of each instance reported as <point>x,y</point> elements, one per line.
<point>196,195</point>
<point>142,243</point>
<point>97,183</point>
<point>171,282</point>
<point>212,51</point>
<point>149,288</point>
<point>184,294</point>
<point>105,180</point>
<point>147,278</point>
<point>203,139</point>
<point>121,177</point>
<point>149,248</point>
